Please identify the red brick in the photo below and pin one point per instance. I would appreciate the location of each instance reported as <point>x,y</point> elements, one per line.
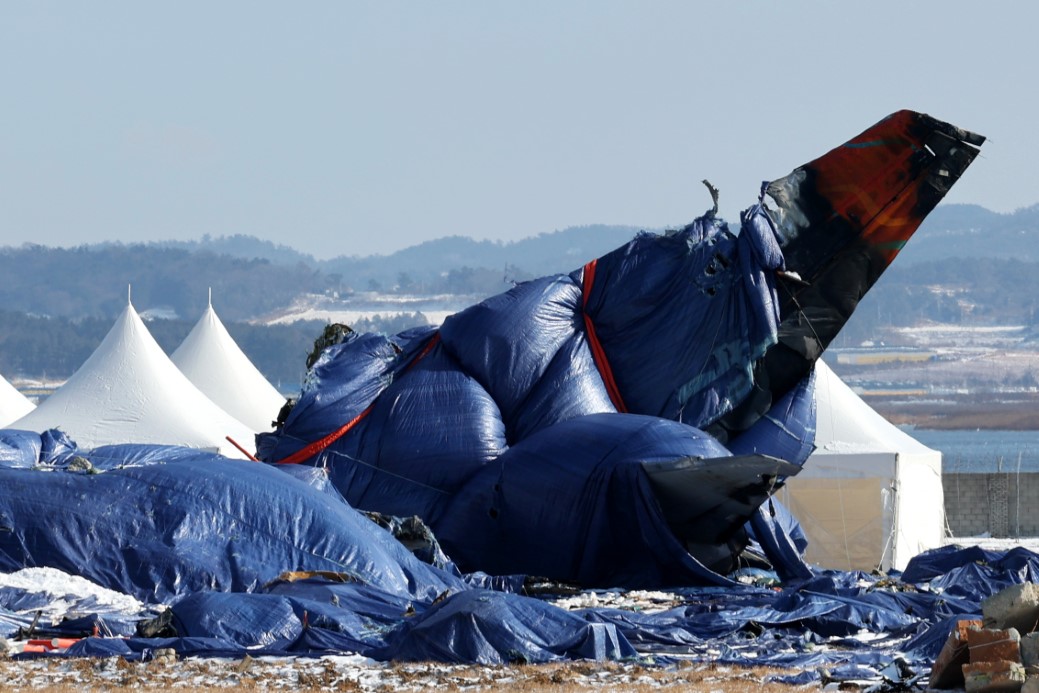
<point>989,645</point>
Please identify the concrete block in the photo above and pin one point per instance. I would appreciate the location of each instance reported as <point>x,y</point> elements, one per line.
<point>993,677</point>
<point>1030,650</point>
<point>988,645</point>
<point>1015,607</point>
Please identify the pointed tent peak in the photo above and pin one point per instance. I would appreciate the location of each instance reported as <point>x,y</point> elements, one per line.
<point>129,299</point>
<point>213,361</point>
<point>209,320</point>
<point>127,321</point>
<point>209,314</point>
<point>130,321</point>
<point>13,404</point>
<point>128,391</point>
<point>845,422</point>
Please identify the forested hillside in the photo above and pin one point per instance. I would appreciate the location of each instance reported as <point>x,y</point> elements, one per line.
<point>92,281</point>
<point>54,347</point>
<point>966,265</point>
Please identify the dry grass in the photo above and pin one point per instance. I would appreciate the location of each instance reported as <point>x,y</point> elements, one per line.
<point>964,412</point>
<point>338,674</point>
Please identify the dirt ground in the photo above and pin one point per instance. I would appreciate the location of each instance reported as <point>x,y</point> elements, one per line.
<point>353,674</point>
<point>969,412</point>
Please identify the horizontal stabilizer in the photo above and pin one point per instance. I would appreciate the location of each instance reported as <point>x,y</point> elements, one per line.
<point>706,502</point>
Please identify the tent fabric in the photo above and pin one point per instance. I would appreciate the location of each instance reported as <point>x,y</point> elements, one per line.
<point>129,391</point>
<point>870,495</point>
<point>13,404</point>
<point>214,363</point>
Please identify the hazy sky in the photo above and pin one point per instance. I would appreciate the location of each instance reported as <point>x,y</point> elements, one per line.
<point>344,128</point>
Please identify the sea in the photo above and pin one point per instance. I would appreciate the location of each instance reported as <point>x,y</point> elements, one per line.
<point>982,451</point>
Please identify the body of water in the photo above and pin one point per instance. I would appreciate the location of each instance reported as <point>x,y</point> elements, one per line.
<point>983,451</point>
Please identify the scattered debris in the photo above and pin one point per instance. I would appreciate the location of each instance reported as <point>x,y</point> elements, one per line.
<point>990,655</point>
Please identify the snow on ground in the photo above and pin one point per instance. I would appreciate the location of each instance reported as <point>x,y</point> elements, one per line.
<point>958,371</point>
<point>55,595</point>
<point>352,317</point>
<point>635,600</point>
<point>995,543</point>
<point>944,335</point>
<point>367,305</point>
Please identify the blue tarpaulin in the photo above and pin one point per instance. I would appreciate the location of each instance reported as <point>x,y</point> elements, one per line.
<point>493,425</point>
<point>623,425</point>
<point>519,418</point>
<point>172,521</point>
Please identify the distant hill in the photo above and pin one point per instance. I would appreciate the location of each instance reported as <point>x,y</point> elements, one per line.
<point>242,246</point>
<point>546,253</point>
<point>252,277</point>
<point>92,281</point>
<point>970,231</point>
<point>966,265</point>
<point>955,230</point>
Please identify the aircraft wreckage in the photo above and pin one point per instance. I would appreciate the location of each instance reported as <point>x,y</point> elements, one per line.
<point>621,425</point>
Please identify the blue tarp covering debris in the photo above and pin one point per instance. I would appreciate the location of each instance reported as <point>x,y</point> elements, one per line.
<point>483,427</point>
<point>226,597</point>
<point>621,424</point>
<point>168,522</point>
<point>624,425</point>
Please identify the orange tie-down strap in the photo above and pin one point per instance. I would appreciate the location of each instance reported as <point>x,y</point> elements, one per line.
<point>305,453</point>
<point>598,354</point>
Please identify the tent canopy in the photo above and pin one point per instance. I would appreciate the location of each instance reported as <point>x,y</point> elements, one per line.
<point>130,391</point>
<point>214,363</point>
<point>870,495</point>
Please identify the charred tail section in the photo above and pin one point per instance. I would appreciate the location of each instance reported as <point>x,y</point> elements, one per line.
<point>841,220</point>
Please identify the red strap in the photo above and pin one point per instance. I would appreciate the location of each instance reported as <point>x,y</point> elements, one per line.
<point>593,342</point>
<point>242,450</point>
<point>317,446</point>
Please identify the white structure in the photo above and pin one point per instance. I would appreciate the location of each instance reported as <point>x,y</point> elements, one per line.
<point>870,496</point>
<point>13,404</point>
<point>212,361</point>
<point>129,391</point>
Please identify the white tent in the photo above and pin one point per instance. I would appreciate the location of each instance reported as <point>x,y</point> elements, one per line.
<point>13,404</point>
<point>129,391</point>
<point>212,361</point>
<point>870,496</point>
